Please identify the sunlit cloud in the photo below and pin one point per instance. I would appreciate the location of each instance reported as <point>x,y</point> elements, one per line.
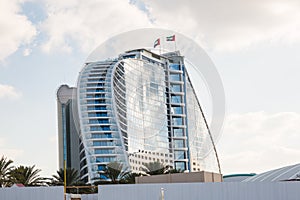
<point>85,24</point>
<point>8,91</point>
<point>230,25</point>
<point>16,29</point>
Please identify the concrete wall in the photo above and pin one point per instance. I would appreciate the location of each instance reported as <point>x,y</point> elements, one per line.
<point>207,191</point>
<point>32,193</point>
<point>181,178</point>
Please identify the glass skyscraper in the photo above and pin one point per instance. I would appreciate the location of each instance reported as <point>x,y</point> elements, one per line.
<point>138,108</point>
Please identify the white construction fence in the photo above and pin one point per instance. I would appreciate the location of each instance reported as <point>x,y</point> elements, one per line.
<point>32,193</point>
<point>205,191</point>
<point>174,191</point>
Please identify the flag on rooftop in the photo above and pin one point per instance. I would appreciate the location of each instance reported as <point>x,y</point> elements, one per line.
<point>170,38</point>
<point>157,42</point>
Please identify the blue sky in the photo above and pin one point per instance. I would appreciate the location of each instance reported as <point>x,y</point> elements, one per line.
<point>254,45</point>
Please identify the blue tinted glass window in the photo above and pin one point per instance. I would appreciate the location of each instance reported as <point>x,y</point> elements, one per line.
<point>105,159</point>
<point>104,151</point>
<point>103,114</point>
<point>94,84</point>
<point>100,108</point>
<point>98,121</point>
<point>101,135</point>
<point>95,90</point>
<point>99,128</point>
<point>101,167</point>
<point>102,176</point>
<point>179,154</point>
<point>177,110</point>
<point>177,121</point>
<point>174,66</point>
<point>176,99</point>
<point>179,143</point>
<point>175,77</point>
<point>102,143</point>
<point>95,95</point>
<point>95,101</point>
<point>89,96</point>
<point>96,108</point>
<point>178,132</point>
<point>180,165</point>
<point>175,88</point>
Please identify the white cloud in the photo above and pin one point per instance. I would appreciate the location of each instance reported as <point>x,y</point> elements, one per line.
<point>229,25</point>
<point>27,52</point>
<point>232,24</point>
<point>258,141</point>
<point>88,23</point>
<point>15,28</point>
<point>8,91</point>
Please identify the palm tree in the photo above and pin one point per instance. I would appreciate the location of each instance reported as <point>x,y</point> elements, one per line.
<point>130,178</point>
<point>154,168</point>
<point>5,167</point>
<point>28,176</point>
<point>113,173</point>
<point>174,171</point>
<point>72,177</point>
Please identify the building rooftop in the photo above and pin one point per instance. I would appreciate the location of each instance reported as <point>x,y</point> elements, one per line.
<point>288,173</point>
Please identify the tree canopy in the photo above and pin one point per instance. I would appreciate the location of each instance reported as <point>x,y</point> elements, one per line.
<point>28,176</point>
<point>72,178</point>
<point>5,167</point>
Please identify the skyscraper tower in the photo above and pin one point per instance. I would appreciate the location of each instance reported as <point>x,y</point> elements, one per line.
<point>138,108</point>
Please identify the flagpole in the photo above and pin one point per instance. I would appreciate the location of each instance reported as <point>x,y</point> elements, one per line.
<point>160,48</point>
<point>175,43</point>
<point>162,43</point>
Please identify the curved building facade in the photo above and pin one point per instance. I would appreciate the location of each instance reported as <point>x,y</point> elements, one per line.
<point>139,108</point>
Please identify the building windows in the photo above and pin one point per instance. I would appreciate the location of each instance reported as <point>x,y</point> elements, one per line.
<point>102,143</point>
<point>104,151</point>
<point>176,99</point>
<point>174,66</point>
<point>105,159</point>
<point>176,110</point>
<point>178,143</point>
<point>178,132</point>
<point>96,108</point>
<point>96,101</point>
<point>180,165</point>
<point>101,167</point>
<point>101,135</point>
<point>94,84</point>
<point>114,109</point>
<point>99,128</point>
<point>98,121</point>
<point>175,77</point>
<point>175,88</point>
<point>177,121</point>
<point>179,155</point>
<point>95,90</point>
<point>98,114</point>
<point>95,96</point>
